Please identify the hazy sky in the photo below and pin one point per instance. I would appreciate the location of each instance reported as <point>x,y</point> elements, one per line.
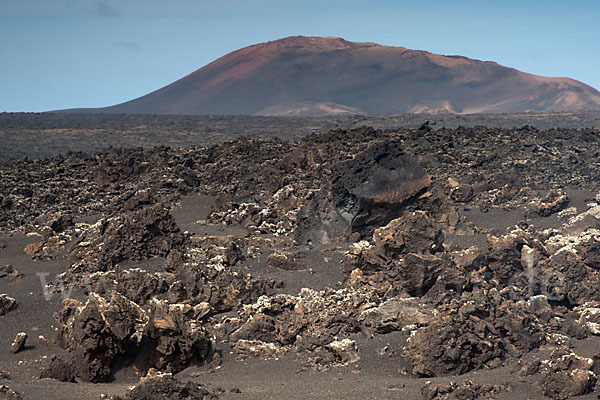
<point>89,53</point>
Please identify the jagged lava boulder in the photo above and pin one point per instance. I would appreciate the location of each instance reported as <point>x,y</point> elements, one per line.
<point>370,189</point>
<point>363,193</point>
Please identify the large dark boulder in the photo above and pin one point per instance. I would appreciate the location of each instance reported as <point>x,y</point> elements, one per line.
<point>371,188</point>
<point>363,193</point>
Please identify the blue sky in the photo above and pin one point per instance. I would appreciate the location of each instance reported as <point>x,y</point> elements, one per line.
<point>90,53</point>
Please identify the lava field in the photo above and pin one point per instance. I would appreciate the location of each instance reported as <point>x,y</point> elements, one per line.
<point>434,263</point>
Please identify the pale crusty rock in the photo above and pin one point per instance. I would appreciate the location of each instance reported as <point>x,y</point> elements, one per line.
<point>589,316</point>
<point>345,351</point>
<point>395,314</point>
<point>256,348</point>
<point>529,257</point>
<point>19,343</point>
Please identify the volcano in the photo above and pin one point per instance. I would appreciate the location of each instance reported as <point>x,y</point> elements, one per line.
<point>301,75</point>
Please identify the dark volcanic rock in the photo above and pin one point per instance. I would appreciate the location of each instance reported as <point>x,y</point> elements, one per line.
<point>401,259</point>
<point>564,385</point>
<point>473,333</point>
<point>165,387</point>
<point>370,189</point>
<point>56,367</point>
<point>318,221</point>
<point>503,258</point>
<point>462,193</point>
<point>137,235</point>
<point>173,338</point>
<point>283,261</point>
<point>57,222</point>
<point>590,254</point>
<point>573,280</point>
<point>7,393</point>
<point>135,284</point>
<point>222,290</point>
<point>99,333</point>
<point>553,202</point>
<point>466,391</point>
<point>416,232</point>
<point>188,281</point>
<point>6,304</point>
<point>8,270</point>
<point>568,375</point>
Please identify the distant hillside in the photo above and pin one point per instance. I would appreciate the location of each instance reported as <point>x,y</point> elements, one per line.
<point>319,76</point>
